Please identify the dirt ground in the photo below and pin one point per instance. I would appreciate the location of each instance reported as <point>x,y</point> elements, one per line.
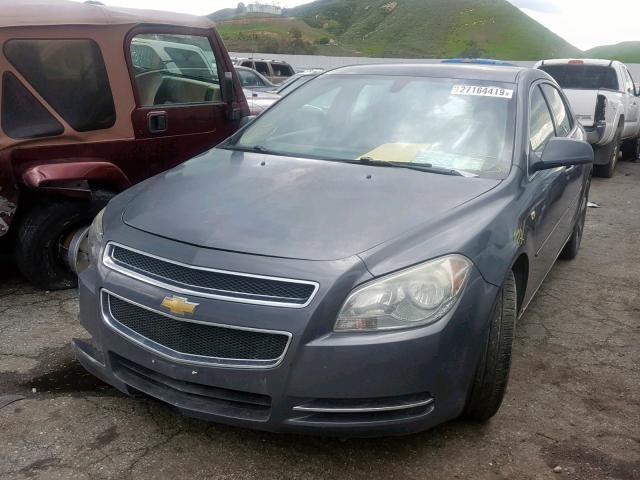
<point>572,409</point>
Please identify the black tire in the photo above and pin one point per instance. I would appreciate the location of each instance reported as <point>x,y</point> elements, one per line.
<point>492,375</point>
<point>610,154</point>
<point>570,250</point>
<point>40,236</point>
<point>631,150</point>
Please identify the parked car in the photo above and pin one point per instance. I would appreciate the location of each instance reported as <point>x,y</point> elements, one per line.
<point>259,101</point>
<point>276,71</point>
<point>254,81</point>
<point>381,219</point>
<point>88,110</point>
<point>605,100</point>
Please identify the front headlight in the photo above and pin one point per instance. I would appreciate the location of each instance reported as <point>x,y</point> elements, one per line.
<point>94,238</point>
<point>416,296</point>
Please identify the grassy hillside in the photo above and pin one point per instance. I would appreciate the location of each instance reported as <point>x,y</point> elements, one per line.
<point>627,52</point>
<point>401,28</point>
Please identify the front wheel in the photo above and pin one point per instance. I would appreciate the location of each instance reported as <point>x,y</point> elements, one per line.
<point>492,375</point>
<point>631,150</point>
<point>42,241</point>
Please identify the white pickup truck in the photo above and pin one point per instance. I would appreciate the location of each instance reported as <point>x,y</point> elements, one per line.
<point>605,100</point>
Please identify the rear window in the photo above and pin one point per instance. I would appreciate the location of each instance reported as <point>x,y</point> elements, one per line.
<point>587,77</point>
<point>249,79</point>
<point>69,75</point>
<point>23,116</point>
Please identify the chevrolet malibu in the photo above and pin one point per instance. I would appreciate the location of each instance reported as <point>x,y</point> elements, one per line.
<point>353,262</point>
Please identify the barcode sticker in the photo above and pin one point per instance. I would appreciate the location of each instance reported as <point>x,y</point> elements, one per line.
<point>481,91</point>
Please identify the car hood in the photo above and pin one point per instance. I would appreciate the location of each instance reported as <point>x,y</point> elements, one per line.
<point>292,207</point>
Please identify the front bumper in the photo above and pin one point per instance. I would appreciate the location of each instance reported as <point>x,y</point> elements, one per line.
<point>351,384</point>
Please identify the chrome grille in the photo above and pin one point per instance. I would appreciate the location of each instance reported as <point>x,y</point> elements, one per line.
<point>210,282</point>
<point>194,341</point>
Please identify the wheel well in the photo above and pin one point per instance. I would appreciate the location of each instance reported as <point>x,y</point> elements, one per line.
<point>30,199</point>
<point>521,274</point>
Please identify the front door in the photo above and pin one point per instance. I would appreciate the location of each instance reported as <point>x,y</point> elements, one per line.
<point>550,186</point>
<point>180,108</point>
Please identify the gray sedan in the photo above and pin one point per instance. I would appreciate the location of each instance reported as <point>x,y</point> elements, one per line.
<point>352,262</point>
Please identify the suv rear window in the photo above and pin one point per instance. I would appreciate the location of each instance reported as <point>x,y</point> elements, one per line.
<point>69,75</point>
<point>23,116</point>
<point>587,77</point>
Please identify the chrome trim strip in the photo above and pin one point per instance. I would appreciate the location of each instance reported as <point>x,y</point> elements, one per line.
<point>421,403</point>
<point>112,322</point>
<point>109,262</point>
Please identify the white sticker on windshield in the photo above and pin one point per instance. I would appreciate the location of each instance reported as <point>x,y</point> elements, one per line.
<point>482,91</point>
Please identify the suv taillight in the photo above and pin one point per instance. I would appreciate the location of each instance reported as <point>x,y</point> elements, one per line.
<point>601,106</point>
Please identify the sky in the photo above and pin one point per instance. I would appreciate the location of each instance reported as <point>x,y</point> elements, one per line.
<point>583,23</point>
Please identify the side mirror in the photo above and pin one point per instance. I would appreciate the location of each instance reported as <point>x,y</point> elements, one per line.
<point>227,87</point>
<point>564,152</point>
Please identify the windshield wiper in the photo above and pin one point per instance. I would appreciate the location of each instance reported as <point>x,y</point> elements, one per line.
<point>255,148</point>
<point>421,167</point>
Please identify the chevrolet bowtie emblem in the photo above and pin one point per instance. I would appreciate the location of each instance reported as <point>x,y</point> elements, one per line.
<point>179,305</point>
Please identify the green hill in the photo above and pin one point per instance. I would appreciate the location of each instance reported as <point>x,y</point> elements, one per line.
<point>627,52</point>
<point>402,28</point>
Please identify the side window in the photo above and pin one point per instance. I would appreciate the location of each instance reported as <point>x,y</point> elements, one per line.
<point>281,70</point>
<point>559,110</point>
<point>540,121</point>
<point>629,87</point>
<point>634,90</point>
<point>69,75</point>
<point>262,67</point>
<point>174,70</point>
<point>23,116</point>
<point>247,63</point>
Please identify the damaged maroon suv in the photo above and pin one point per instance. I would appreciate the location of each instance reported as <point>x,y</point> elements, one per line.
<point>92,101</point>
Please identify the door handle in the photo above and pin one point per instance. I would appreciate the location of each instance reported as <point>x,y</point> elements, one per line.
<point>158,122</point>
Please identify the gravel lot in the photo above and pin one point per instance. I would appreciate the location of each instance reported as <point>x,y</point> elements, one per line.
<point>572,409</point>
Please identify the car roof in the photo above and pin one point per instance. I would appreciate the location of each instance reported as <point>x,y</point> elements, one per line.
<point>65,12</point>
<point>462,71</point>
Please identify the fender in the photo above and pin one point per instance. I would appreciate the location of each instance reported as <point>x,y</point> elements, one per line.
<point>74,178</point>
<point>614,117</point>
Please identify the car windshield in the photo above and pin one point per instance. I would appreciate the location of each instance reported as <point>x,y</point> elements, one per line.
<point>580,76</point>
<point>443,124</point>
